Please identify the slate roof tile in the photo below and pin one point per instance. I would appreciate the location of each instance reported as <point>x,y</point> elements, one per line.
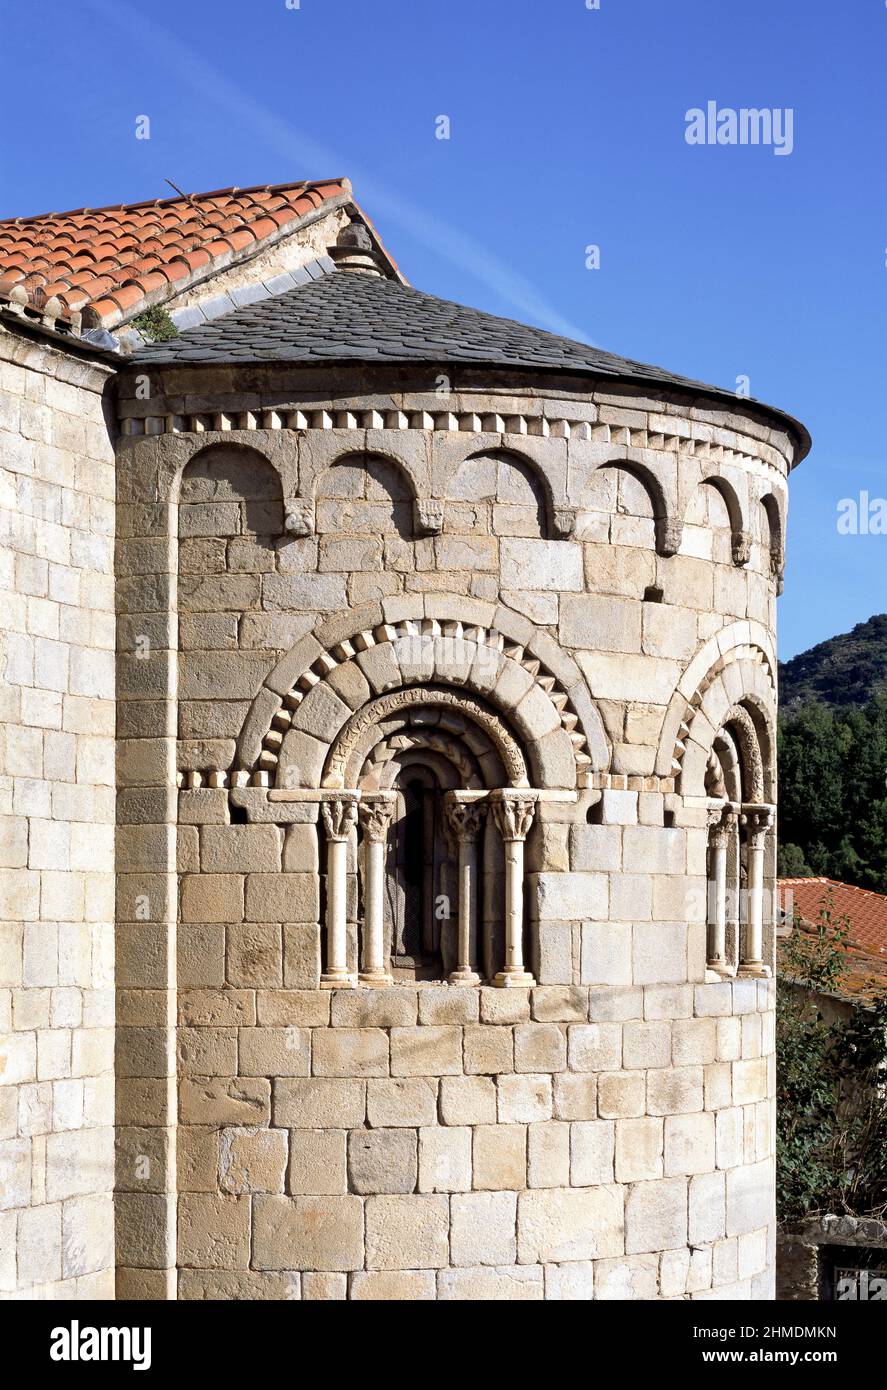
<point>349,316</point>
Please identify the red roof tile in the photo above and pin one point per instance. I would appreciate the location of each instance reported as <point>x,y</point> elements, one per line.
<point>866,914</point>
<point>103,262</point>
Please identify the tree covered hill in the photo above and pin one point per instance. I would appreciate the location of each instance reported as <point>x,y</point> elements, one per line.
<point>845,670</point>
<point>833,759</point>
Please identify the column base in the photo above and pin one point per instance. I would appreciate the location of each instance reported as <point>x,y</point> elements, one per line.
<point>375,979</point>
<point>513,979</point>
<point>754,970</point>
<point>464,977</point>
<point>337,979</point>
<point>717,974</point>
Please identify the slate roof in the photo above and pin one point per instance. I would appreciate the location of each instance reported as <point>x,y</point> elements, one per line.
<point>104,263</point>
<point>349,317</point>
<point>346,316</point>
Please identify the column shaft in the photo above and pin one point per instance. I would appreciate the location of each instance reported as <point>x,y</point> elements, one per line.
<point>375,818</point>
<point>465,820</point>
<point>717,951</point>
<point>514,816</point>
<point>338,817</point>
<point>758,822</point>
<point>723,822</point>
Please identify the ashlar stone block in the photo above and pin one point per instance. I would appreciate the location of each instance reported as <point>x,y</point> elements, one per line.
<point>308,1233</point>
<point>445,1160</point>
<point>407,1232</point>
<point>382,1160</point>
<point>656,1215</point>
<point>570,1224</point>
<point>484,1228</point>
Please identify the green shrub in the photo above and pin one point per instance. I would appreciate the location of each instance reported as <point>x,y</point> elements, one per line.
<point>155,325</point>
<point>831,1126</point>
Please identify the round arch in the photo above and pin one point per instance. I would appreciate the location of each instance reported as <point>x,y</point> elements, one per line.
<point>773,538</point>
<point>717,712</point>
<point>740,534</point>
<point>522,463</point>
<point>332,448</point>
<point>518,671</point>
<point>455,711</point>
<point>747,641</point>
<point>667,523</point>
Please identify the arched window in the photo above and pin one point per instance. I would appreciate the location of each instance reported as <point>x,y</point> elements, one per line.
<point>740,826</point>
<point>433,832</point>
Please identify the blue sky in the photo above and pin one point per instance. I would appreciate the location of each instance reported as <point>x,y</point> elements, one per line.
<point>567,129</point>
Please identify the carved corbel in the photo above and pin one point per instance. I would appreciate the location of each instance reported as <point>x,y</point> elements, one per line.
<point>668,536</point>
<point>564,521</point>
<point>299,518</point>
<point>741,547</point>
<point>429,516</point>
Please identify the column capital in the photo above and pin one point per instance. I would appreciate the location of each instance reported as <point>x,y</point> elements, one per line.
<point>465,818</point>
<point>722,822</point>
<point>757,821</point>
<point>375,818</point>
<point>339,817</point>
<point>513,811</point>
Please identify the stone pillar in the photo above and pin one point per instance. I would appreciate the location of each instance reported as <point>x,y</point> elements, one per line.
<point>339,819</point>
<point>375,818</point>
<point>466,819</point>
<point>723,827</point>
<point>757,821</point>
<point>513,812</point>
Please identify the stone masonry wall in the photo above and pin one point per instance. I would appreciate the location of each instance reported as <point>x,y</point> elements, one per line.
<point>452,1143</point>
<point>56,825</point>
<point>608,1133</point>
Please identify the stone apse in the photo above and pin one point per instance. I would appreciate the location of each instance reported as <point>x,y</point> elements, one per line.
<point>446,763</point>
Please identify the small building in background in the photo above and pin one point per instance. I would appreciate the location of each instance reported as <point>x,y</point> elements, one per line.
<point>840,1257</point>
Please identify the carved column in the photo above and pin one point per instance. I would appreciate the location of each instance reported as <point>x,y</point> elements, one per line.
<point>723,826</point>
<point>466,819</point>
<point>339,819</point>
<point>757,821</point>
<point>513,814</point>
<point>375,818</point>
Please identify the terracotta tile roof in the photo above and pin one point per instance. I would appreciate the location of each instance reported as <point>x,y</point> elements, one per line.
<point>102,264</point>
<point>866,913</point>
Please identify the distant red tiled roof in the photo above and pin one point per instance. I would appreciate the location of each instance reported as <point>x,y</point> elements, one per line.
<point>104,263</point>
<point>866,913</point>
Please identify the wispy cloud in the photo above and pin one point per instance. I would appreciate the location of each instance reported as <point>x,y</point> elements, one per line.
<point>307,153</point>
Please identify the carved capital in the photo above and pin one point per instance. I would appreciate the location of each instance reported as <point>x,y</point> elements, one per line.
<point>465,818</point>
<point>375,818</point>
<point>299,518</point>
<point>429,516</point>
<point>757,821</point>
<point>513,815</point>
<point>339,817</point>
<point>722,823</point>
